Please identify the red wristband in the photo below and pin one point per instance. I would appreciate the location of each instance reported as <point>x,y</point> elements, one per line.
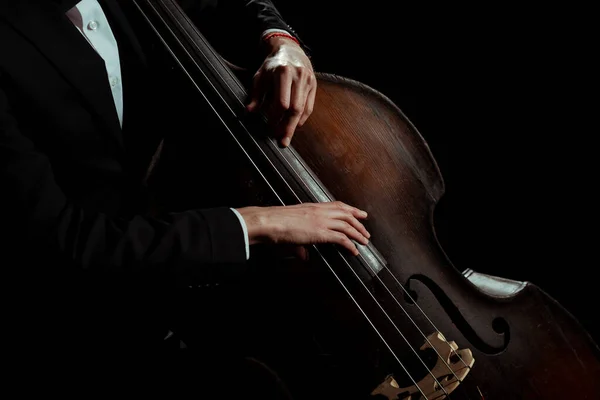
<point>280,34</point>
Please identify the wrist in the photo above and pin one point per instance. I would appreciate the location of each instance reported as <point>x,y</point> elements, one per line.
<point>256,224</point>
<point>276,40</point>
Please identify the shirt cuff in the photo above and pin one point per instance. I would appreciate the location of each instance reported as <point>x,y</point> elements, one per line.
<point>265,33</point>
<point>245,229</point>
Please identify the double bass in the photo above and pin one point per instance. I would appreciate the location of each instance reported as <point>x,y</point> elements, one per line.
<point>398,321</point>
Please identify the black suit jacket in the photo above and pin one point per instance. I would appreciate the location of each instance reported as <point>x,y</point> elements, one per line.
<point>74,240</point>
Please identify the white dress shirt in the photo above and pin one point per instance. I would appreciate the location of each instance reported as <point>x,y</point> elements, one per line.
<point>89,17</point>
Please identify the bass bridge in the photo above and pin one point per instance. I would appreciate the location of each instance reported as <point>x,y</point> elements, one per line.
<point>451,367</point>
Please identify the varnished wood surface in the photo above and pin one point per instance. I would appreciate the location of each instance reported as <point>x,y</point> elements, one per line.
<point>368,154</point>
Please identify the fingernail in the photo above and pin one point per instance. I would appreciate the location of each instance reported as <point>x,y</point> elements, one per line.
<point>286,142</point>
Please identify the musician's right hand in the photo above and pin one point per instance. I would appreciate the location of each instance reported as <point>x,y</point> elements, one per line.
<point>307,223</point>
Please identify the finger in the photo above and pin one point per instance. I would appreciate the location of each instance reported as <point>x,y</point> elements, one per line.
<point>282,90</point>
<point>308,108</point>
<point>342,240</point>
<point>347,229</point>
<point>350,219</point>
<point>356,212</point>
<point>292,117</point>
<point>256,94</point>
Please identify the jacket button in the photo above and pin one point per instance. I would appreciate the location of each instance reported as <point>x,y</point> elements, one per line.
<point>92,25</point>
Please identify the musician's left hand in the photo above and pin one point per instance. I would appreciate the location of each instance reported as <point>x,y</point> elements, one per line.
<point>284,87</point>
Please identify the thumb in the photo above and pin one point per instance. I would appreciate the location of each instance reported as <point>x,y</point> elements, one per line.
<point>255,93</point>
<point>292,251</point>
<point>301,252</point>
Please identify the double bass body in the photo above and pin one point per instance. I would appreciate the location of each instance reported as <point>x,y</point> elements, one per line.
<point>524,344</point>
<point>399,321</point>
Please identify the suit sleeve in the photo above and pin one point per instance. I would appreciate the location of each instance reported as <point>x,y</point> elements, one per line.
<point>235,27</point>
<point>263,15</point>
<point>35,211</point>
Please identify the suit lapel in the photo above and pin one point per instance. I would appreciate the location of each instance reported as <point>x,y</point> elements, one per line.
<point>48,28</point>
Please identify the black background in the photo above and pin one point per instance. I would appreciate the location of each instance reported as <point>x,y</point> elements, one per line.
<point>504,98</point>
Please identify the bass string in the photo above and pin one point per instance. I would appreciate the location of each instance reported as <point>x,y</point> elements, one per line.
<point>357,277</point>
<point>388,317</point>
<point>282,202</point>
<point>241,103</point>
<point>344,286</point>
